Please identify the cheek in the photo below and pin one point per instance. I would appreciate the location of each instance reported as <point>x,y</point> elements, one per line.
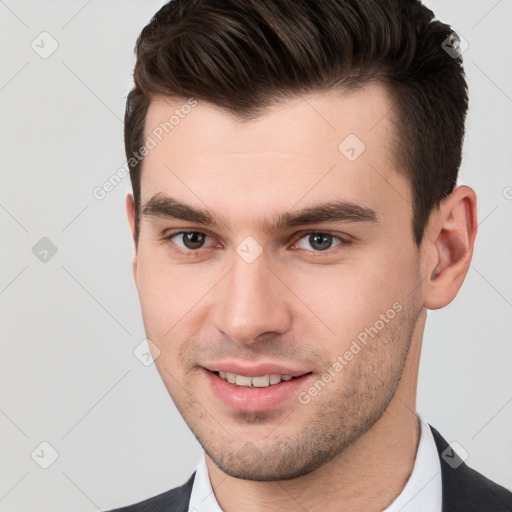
<point>344,300</point>
<point>172,296</point>
<point>161,290</point>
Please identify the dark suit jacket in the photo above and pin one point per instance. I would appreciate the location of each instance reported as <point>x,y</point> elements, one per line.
<point>464,490</point>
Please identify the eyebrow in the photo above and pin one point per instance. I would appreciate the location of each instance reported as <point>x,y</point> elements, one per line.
<point>164,206</point>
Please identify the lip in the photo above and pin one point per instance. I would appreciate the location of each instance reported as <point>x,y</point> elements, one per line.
<point>252,399</point>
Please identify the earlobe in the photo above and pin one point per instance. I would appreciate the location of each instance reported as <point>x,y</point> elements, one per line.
<point>130,212</point>
<point>451,238</point>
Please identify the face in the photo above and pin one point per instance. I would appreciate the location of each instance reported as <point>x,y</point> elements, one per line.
<point>278,276</point>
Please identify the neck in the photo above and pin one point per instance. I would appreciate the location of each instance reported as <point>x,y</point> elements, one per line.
<point>368,475</point>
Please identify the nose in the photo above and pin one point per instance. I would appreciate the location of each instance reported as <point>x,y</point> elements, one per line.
<point>251,303</point>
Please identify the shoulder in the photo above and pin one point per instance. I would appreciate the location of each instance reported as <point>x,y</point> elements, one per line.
<point>464,488</point>
<point>174,500</point>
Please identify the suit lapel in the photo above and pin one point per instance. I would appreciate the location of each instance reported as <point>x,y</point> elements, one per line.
<point>464,489</point>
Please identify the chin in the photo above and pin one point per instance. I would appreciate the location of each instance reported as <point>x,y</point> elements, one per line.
<point>272,464</point>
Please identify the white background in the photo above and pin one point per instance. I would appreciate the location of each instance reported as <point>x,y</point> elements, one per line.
<point>70,325</point>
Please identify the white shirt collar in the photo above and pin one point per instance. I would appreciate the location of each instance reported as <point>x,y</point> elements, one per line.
<point>422,492</point>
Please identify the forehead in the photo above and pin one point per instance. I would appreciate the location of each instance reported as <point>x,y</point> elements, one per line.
<point>300,121</point>
<point>327,145</point>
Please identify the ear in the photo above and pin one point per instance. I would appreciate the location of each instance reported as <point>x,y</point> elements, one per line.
<point>449,239</point>
<point>130,212</point>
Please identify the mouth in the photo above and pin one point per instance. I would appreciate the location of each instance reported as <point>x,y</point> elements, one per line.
<point>259,381</point>
<point>258,392</point>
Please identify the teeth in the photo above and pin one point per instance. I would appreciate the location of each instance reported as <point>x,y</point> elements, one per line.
<point>243,381</point>
<point>275,379</point>
<point>262,381</point>
<point>231,377</point>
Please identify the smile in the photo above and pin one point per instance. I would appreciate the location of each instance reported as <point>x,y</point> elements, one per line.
<point>261,381</point>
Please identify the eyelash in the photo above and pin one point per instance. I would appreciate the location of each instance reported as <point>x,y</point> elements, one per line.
<point>299,236</point>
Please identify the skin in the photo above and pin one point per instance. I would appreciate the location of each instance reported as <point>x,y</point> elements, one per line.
<point>353,445</point>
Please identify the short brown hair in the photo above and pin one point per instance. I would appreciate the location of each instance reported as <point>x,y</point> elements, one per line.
<point>244,55</point>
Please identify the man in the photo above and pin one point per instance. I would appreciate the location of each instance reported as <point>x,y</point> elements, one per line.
<point>295,214</point>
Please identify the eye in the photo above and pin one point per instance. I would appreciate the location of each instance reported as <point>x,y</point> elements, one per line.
<point>319,241</point>
<point>188,240</point>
